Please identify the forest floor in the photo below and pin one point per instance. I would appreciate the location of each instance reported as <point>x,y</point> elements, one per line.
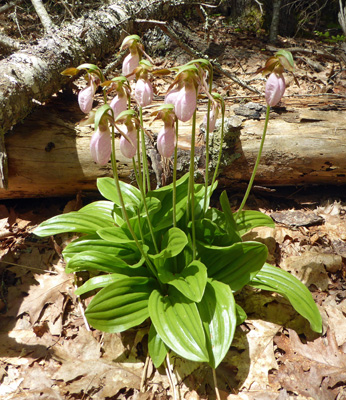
<point>47,350</point>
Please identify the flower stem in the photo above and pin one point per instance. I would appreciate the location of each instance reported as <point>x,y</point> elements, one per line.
<point>124,212</point>
<point>220,148</point>
<point>217,393</point>
<point>256,164</point>
<point>146,176</point>
<point>175,174</point>
<point>206,176</point>
<point>191,190</point>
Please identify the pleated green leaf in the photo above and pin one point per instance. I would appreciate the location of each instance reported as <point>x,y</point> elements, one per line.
<point>282,282</point>
<point>92,260</point>
<point>190,281</point>
<point>128,252</point>
<point>157,349</point>
<point>116,234</point>
<point>218,314</point>
<point>131,195</point>
<point>104,209</point>
<point>72,222</point>
<point>178,323</point>
<point>173,243</point>
<point>234,265</point>
<point>231,226</point>
<point>98,282</point>
<point>120,305</point>
<point>248,220</point>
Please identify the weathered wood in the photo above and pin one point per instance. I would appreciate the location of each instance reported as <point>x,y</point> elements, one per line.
<point>49,153</point>
<point>31,76</point>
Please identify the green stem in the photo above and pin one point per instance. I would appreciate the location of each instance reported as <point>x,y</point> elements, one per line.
<point>220,149</point>
<point>217,393</point>
<point>141,188</point>
<point>191,194</point>
<point>175,174</point>
<point>206,176</point>
<point>146,176</point>
<point>124,212</point>
<point>256,164</point>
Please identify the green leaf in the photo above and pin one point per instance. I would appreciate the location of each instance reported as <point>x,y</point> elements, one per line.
<point>72,222</point>
<point>241,314</point>
<point>173,243</point>
<point>92,260</point>
<point>126,251</point>
<point>248,220</point>
<point>98,282</point>
<point>178,323</point>
<point>163,218</point>
<point>131,195</point>
<point>120,305</point>
<point>218,314</point>
<point>157,349</point>
<point>282,282</point>
<point>116,234</point>
<point>105,210</point>
<point>286,59</point>
<point>231,226</point>
<point>235,265</point>
<point>190,281</point>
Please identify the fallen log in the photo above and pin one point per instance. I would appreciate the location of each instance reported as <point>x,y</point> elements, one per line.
<point>31,76</point>
<point>49,153</point>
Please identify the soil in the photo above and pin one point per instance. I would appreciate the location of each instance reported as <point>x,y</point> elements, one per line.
<point>47,350</point>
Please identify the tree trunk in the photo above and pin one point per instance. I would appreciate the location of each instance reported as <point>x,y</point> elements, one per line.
<point>49,153</point>
<point>31,76</point>
<point>274,27</point>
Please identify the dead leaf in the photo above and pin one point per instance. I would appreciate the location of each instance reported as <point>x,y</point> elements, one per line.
<point>51,289</point>
<point>311,369</point>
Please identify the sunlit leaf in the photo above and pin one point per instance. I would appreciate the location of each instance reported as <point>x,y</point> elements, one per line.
<point>173,243</point>
<point>218,314</point>
<point>282,282</point>
<point>235,265</point>
<point>157,349</point>
<point>248,220</point>
<point>190,281</point>
<point>120,305</point>
<point>178,323</point>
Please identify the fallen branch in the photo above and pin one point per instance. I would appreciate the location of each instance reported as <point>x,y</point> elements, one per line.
<point>43,15</point>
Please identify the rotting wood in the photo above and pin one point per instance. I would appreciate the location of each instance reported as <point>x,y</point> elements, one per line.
<point>49,153</point>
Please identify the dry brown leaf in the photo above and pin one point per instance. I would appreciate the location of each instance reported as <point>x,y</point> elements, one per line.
<point>51,289</point>
<point>311,369</point>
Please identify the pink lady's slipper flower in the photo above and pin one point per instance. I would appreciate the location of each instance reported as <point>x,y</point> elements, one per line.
<point>214,113</point>
<point>184,100</point>
<point>128,141</point>
<point>144,93</point>
<point>275,89</point>
<point>166,141</point>
<point>101,145</point>
<point>131,61</point>
<point>119,104</point>
<point>86,96</point>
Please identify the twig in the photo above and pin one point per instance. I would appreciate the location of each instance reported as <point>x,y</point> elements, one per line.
<point>260,6</point>
<point>144,375</point>
<point>43,15</point>
<point>196,54</point>
<point>10,5</point>
<point>170,375</point>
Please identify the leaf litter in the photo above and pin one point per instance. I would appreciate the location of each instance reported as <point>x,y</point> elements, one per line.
<point>48,352</point>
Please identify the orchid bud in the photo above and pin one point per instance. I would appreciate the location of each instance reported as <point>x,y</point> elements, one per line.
<point>275,89</point>
<point>213,114</point>
<point>131,61</point>
<point>101,145</point>
<point>119,104</point>
<point>166,140</point>
<point>128,141</point>
<point>184,100</point>
<point>144,92</point>
<point>86,96</point>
